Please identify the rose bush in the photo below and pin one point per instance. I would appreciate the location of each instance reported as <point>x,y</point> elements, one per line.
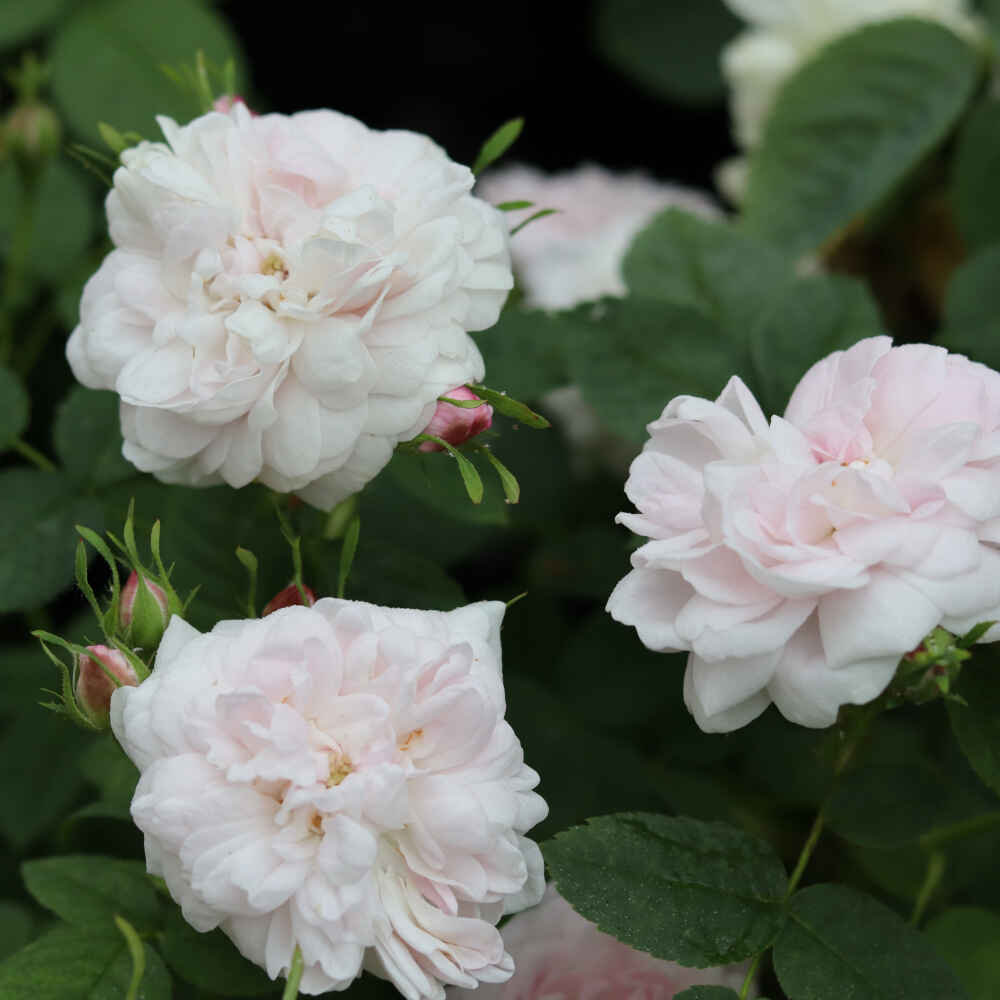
<point>287,298</point>
<point>798,560</point>
<point>339,777</point>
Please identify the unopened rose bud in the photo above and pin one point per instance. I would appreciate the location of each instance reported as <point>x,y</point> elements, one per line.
<point>456,424</point>
<point>145,609</point>
<point>289,598</point>
<point>32,134</point>
<point>98,675</point>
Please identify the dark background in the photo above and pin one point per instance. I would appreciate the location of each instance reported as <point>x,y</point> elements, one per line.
<point>456,73</point>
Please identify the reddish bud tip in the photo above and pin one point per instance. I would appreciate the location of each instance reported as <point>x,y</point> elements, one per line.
<point>289,598</point>
<point>97,677</point>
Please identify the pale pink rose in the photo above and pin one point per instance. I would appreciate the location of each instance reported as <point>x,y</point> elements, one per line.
<point>576,255</point>
<point>289,597</point>
<point>561,956</point>
<point>98,675</point>
<point>457,424</point>
<point>287,298</point>
<point>339,777</point>
<point>798,560</point>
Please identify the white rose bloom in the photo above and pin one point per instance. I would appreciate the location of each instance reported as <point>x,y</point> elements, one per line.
<point>287,298</point>
<point>784,34</point>
<point>340,778</point>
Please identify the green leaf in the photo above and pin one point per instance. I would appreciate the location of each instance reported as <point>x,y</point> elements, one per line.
<point>511,487</point>
<point>88,438</point>
<point>840,943</point>
<point>14,405</point>
<point>126,86</point>
<point>692,892</point>
<point>430,478</point>
<point>470,475</point>
<point>708,993</point>
<point>498,144</point>
<point>540,214</point>
<point>65,218</point>
<point>850,125</point>
<point>631,356</point>
<point>977,723</point>
<point>966,937</point>
<point>17,927</point>
<point>977,161</point>
<point>971,327</point>
<point>670,49</point>
<point>525,352</point>
<point>210,961</point>
<point>70,963</point>
<point>347,552</point>
<point>20,21</point>
<point>509,407</point>
<point>37,537</point>
<point>895,804</point>
<point>89,890</point>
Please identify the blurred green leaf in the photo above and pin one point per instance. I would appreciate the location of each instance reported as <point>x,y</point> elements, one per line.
<point>14,407</point>
<point>977,162</point>
<point>967,938</point>
<point>684,890</point>
<point>65,218</point>
<point>840,943</point>
<point>630,356</point>
<point>524,353</point>
<point>708,993</point>
<point>88,890</point>
<point>670,49</point>
<point>88,438</point>
<point>977,724</point>
<point>498,144</point>
<point>126,86</point>
<point>850,125</point>
<point>971,325</point>
<point>17,927</point>
<point>19,21</point>
<point>70,963</point>
<point>210,961</point>
<point>38,539</point>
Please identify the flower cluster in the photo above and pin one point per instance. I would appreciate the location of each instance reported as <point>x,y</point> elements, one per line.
<point>341,778</point>
<point>288,297</point>
<point>799,559</point>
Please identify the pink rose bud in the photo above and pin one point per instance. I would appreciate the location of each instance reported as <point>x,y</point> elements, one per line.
<point>94,686</point>
<point>289,598</point>
<point>456,424</point>
<point>145,610</point>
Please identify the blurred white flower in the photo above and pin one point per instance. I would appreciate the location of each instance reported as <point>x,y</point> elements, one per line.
<point>576,255</point>
<point>798,559</point>
<point>339,777</point>
<point>782,35</point>
<point>287,298</point>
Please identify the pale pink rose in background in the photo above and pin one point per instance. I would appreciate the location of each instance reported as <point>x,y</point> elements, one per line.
<point>287,298</point>
<point>576,255</point>
<point>339,777</point>
<point>457,424</point>
<point>561,956</point>
<point>98,676</point>
<point>782,35</point>
<point>798,560</point>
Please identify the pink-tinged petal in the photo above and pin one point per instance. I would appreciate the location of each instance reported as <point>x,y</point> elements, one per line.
<point>721,685</point>
<point>714,636</point>
<point>737,714</point>
<point>650,600</point>
<point>888,617</point>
